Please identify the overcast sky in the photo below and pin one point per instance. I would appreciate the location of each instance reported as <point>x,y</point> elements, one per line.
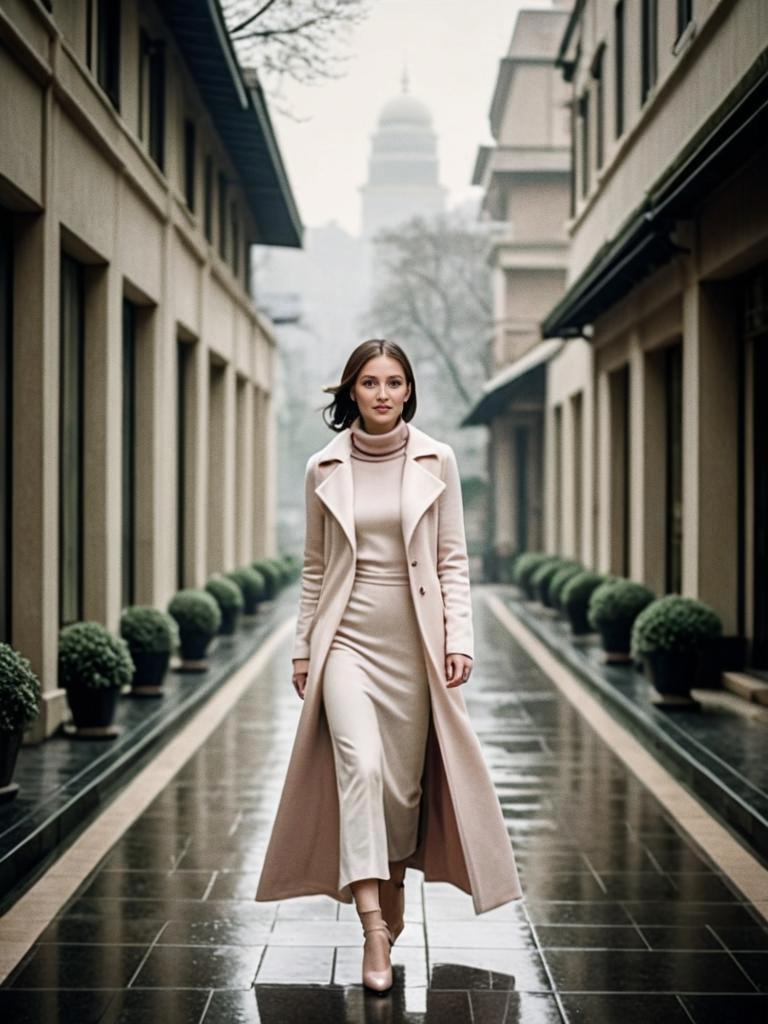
<point>452,49</point>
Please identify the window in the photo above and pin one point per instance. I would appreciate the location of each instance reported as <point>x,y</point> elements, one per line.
<point>649,47</point>
<point>247,267</point>
<point>189,164</point>
<point>684,15</point>
<point>71,395</point>
<point>128,561</point>
<point>102,45</point>
<point>584,142</point>
<point>674,489</point>
<point>208,199</point>
<point>152,96</point>
<point>521,462</point>
<point>6,424</point>
<point>183,356</point>
<point>235,240</point>
<point>577,455</point>
<point>618,66</point>
<point>597,75</point>
<point>223,216</point>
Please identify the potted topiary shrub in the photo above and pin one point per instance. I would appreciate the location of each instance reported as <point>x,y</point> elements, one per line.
<point>559,579</point>
<point>271,577</point>
<point>280,568</point>
<point>293,567</point>
<point>93,666</point>
<point>613,608</point>
<point>574,599</point>
<point>150,635</point>
<point>525,566</point>
<point>19,705</point>
<point>543,576</point>
<point>229,599</point>
<point>252,587</point>
<point>198,617</point>
<point>671,635</point>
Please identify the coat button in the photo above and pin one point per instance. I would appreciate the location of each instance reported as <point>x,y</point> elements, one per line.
<point>414,563</point>
<point>422,590</point>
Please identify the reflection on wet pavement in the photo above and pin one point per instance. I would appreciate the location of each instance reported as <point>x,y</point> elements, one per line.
<point>623,920</point>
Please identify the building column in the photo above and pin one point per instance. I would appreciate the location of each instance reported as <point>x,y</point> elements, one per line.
<point>35,597</point>
<point>245,444</point>
<point>648,467</point>
<point>710,449</point>
<point>103,451</point>
<point>504,512</point>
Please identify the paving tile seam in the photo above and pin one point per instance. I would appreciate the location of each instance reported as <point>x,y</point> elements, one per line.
<point>742,869</point>
<point>35,910</point>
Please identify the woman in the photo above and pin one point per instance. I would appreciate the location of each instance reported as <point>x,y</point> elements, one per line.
<point>386,771</point>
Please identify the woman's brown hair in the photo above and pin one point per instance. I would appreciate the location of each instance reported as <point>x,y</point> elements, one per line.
<point>343,410</point>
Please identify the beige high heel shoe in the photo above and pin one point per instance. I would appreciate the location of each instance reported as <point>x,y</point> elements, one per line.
<point>392,898</point>
<point>376,980</point>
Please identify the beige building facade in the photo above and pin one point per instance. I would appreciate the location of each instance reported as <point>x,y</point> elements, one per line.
<point>668,288</point>
<point>137,167</point>
<point>525,180</point>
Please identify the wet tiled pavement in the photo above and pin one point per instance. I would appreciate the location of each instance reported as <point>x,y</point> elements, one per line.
<point>623,920</point>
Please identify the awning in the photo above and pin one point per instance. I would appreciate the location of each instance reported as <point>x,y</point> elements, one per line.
<point>734,134</point>
<point>523,380</point>
<point>239,112</point>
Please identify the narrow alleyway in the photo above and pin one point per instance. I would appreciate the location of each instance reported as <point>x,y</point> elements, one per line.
<point>623,920</point>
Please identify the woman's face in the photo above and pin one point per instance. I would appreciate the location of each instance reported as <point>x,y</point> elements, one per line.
<point>380,391</point>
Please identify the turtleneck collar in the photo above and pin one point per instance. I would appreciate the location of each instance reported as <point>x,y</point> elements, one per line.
<point>376,446</point>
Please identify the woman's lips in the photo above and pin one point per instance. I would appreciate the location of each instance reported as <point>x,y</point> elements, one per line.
<point>382,408</point>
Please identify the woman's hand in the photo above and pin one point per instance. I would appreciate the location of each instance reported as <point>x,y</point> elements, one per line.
<point>458,668</point>
<point>300,671</point>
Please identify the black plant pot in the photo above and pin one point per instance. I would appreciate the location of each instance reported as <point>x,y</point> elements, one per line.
<point>251,606</point>
<point>617,641</point>
<point>9,749</point>
<point>229,620</point>
<point>93,710</point>
<point>672,674</point>
<point>194,647</point>
<point>150,669</point>
<point>577,617</point>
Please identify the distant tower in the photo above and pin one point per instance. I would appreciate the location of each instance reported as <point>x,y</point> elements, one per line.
<point>403,167</point>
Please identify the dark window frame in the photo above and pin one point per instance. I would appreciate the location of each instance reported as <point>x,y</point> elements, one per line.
<point>72,384</point>
<point>598,75</point>
<point>208,198</point>
<point>619,41</point>
<point>684,15</point>
<point>223,211</point>
<point>103,36</point>
<point>183,357</point>
<point>584,141</point>
<point>649,47</point>
<point>190,163</point>
<point>152,96</point>
<point>235,247</point>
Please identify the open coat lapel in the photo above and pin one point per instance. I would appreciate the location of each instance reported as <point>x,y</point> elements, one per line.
<point>419,488</point>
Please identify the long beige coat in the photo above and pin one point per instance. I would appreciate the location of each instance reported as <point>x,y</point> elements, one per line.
<point>463,838</point>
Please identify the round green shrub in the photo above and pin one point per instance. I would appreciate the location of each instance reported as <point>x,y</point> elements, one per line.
<point>579,588</point>
<point>225,592</point>
<point>525,566</point>
<point>560,577</point>
<point>272,577</point>
<point>195,611</point>
<point>617,600</point>
<point>541,579</point>
<point>89,655</point>
<point>674,623</point>
<point>282,569</point>
<point>19,690</point>
<point>251,584</point>
<point>147,630</point>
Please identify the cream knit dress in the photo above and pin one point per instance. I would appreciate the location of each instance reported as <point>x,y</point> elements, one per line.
<point>375,688</point>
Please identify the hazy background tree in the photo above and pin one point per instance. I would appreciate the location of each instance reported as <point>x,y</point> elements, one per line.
<point>303,40</point>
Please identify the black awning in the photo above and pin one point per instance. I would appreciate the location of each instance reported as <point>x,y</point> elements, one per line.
<point>239,111</point>
<point>521,384</point>
<point>734,133</point>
